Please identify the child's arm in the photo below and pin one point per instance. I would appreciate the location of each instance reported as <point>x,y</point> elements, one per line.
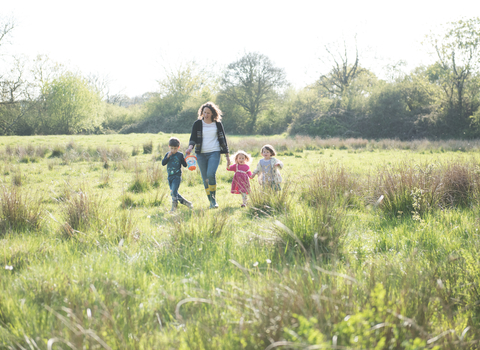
<point>249,172</point>
<point>256,171</point>
<point>183,161</point>
<point>166,158</point>
<point>231,167</point>
<point>278,163</point>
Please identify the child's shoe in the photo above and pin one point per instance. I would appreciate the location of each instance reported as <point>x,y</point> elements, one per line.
<point>243,206</point>
<point>188,204</point>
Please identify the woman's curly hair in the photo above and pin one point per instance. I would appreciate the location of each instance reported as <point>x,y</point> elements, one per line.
<point>216,112</point>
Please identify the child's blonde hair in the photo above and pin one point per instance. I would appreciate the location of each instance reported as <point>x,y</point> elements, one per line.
<point>248,157</point>
<point>270,149</point>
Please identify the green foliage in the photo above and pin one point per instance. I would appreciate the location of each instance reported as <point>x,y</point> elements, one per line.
<point>458,51</point>
<point>115,117</point>
<point>174,107</point>
<point>252,83</point>
<point>72,105</point>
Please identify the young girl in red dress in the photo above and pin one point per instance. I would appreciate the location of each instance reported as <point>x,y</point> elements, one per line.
<point>241,179</point>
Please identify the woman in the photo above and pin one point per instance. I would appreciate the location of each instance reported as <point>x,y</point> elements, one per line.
<point>210,142</point>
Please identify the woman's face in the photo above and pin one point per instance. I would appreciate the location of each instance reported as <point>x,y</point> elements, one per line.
<point>207,114</point>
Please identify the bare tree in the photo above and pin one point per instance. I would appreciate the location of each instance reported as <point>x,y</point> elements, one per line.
<point>16,95</point>
<point>251,82</point>
<point>342,73</point>
<point>6,29</point>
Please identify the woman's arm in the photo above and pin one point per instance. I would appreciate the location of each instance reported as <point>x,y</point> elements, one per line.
<point>193,137</point>
<point>222,139</point>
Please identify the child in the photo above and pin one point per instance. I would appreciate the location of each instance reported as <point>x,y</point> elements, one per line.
<point>267,168</point>
<point>241,179</point>
<point>175,160</point>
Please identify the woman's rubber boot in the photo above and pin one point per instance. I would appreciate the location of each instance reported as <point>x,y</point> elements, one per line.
<point>213,202</point>
<point>210,200</point>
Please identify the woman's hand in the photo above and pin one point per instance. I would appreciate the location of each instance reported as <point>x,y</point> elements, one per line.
<point>228,160</point>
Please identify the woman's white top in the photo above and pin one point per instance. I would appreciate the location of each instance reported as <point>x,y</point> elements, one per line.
<point>209,137</point>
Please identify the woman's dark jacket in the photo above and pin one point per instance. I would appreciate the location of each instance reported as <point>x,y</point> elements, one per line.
<point>196,137</point>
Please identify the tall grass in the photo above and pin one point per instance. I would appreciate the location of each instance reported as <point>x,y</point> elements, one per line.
<point>265,200</point>
<point>320,264</point>
<point>330,184</point>
<point>81,210</point>
<point>414,188</point>
<point>19,211</point>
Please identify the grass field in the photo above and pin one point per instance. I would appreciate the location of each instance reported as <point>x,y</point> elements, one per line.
<point>369,245</point>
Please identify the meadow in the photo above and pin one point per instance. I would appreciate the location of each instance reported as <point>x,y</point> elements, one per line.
<point>369,245</point>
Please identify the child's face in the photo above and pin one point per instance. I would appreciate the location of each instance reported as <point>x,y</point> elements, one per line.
<point>266,154</point>
<point>241,159</point>
<point>173,149</point>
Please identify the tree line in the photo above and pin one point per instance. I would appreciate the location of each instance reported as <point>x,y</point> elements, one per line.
<point>440,100</point>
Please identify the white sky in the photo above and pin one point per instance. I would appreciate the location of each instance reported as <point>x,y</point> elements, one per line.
<point>130,41</point>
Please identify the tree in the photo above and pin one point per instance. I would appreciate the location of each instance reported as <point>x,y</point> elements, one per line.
<point>182,82</point>
<point>342,74</point>
<point>6,28</point>
<point>252,83</point>
<point>16,96</point>
<point>15,91</point>
<point>72,104</point>
<point>458,53</point>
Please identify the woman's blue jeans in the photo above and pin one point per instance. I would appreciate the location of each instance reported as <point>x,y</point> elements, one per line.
<point>208,164</point>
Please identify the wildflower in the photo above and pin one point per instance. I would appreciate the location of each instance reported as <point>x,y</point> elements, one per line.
<point>255,264</point>
<point>269,261</point>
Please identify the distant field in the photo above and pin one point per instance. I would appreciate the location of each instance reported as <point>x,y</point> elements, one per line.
<point>369,245</point>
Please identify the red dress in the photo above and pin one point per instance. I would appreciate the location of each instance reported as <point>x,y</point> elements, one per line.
<point>241,179</point>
